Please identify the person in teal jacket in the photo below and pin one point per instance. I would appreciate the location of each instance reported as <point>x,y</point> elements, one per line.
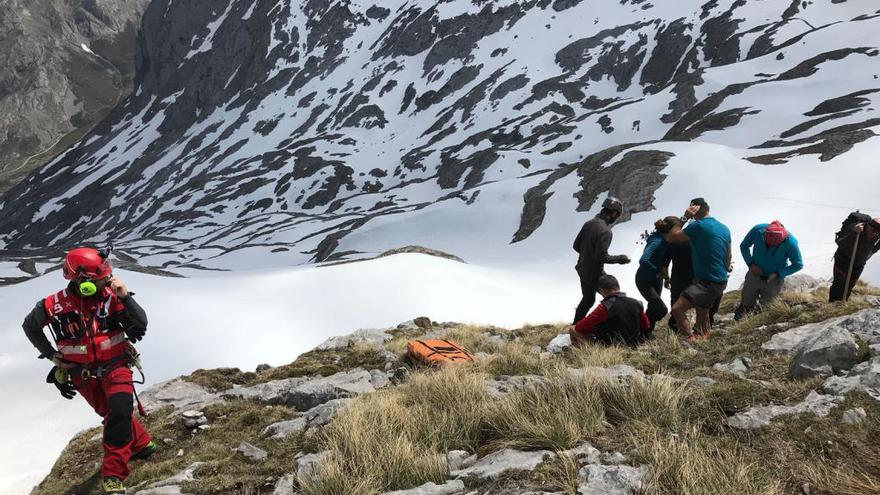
<point>652,273</point>
<point>771,253</point>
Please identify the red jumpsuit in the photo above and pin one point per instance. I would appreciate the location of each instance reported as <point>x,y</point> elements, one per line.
<point>89,331</point>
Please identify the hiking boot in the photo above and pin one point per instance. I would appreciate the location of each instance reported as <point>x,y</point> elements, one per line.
<point>144,453</point>
<point>112,485</point>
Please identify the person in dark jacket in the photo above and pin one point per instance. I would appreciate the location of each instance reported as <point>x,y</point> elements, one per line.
<point>678,273</point>
<point>650,275</point>
<point>712,255</point>
<point>618,319</point>
<point>591,244</point>
<point>868,236</point>
<point>771,253</point>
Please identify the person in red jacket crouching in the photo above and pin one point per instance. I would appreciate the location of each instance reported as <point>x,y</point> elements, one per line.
<point>94,321</point>
<point>618,319</point>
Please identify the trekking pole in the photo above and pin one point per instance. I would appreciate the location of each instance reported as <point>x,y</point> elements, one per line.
<point>852,262</point>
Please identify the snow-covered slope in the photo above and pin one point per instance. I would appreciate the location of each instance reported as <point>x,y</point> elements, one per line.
<point>279,132</point>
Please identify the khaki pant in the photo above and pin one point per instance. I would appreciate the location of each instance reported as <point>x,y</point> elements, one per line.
<point>756,291</point>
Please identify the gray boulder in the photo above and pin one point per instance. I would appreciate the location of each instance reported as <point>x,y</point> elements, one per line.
<point>502,385</point>
<point>738,366</point>
<point>284,486</point>
<point>193,419</point>
<point>854,416</point>
<point>303,394</point>
<point>801,282</point>
<point>379,379</point>
<point>613,480</point>
<point>495,464</point>
<point>317,416</point>
<point>460,459</point>
<point>864,325</point>
<point>864,377</point>
<point>171,486</point>
<point>758,417</point>
<point>373,336</point>
<point>449,488</point>
<point>252,452</point>
<point>824,354</point>
<point>321,415</point>
<point>308,466</point>
<point>180,394</point>
<point>584,454</point>
<point>613,458</point>
<point>621,373</point>
<point>284,429</point>
<point>559,343</point>
<point>702,381</point>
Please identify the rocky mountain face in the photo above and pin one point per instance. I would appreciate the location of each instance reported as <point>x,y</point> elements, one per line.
<point>63,66</point>
<point>308,128</point>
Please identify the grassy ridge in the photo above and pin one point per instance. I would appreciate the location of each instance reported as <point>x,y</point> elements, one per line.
<point>396,438</point>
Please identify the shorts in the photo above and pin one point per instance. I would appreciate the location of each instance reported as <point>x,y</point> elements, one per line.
<point>704,293</point>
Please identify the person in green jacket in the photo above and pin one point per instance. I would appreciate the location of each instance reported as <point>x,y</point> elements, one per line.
<point>771,253</point>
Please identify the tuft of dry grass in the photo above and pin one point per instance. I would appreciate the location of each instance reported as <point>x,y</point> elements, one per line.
<point>690,463</point>
<point>513,359</point>
<point>555,413</point>
<point>658,401</point>
<point>597,356</point>
<point>373,445</point>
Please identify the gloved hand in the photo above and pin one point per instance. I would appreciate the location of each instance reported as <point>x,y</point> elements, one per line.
<point>61,379</point>
<point>135,334</point>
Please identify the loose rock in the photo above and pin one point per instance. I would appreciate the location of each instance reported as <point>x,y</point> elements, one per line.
<point>181,395</point>
<point>497,463</point>
<point>456,459</point>
<point>284,486</point>
<point>824,354</point>
<point>308,465</point>
<point>584,454</point>
<point>559,343</point>
<point>738,366</point>
<point>758,417</point>
<point>171,486</point>
<point>304,393</point>
<point>449,488</point>
<point>373,336</point>
<point>193,419</point>
<point>864,377</point>
<point>613,480</point>
<point>854,416</point>
<point>252,452</point>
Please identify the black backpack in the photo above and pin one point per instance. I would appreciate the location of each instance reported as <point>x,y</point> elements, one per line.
<point>853,219</point>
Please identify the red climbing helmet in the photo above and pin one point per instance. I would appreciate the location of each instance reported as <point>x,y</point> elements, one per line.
<point>87,262</point>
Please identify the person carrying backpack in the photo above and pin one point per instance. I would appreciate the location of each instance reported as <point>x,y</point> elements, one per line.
<point>771,253</point>
<point>651,273</point>
<point>591,244</point>
<point>710,248</point>
<point>93,321</point>
<point>857,240</point>
<point>618,319</point>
